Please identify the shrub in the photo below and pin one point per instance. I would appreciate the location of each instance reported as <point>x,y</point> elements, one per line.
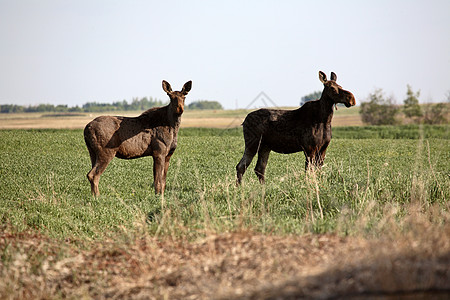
<point>379,110</point>
<point>204,104</point>
<point>311,97</point>
<point>436,113</point>
<point>411,107</point>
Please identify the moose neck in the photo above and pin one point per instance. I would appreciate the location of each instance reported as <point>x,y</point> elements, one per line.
<point>326,108</point>
<point>174,115</point>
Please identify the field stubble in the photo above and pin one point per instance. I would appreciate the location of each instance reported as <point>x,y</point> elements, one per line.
<point>373,222</point>
<point>191,118</point>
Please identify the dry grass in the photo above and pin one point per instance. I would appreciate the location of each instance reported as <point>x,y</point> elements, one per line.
<point>210,119</point>
<point>410,259</point>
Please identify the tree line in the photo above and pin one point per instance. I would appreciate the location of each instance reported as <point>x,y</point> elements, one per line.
<point>136,104</point>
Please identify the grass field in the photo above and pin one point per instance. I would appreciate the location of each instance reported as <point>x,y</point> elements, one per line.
<point>375,219</point>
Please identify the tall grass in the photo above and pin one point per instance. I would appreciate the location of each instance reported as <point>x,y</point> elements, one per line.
<point>43,187</point>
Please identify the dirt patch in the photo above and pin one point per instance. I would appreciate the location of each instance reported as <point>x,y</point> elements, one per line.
<point>238,265</point>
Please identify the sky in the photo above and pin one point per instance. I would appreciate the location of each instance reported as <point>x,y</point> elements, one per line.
<point>77,51</point>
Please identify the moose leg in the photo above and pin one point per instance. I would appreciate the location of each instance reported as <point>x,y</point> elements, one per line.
<point>158,173</point>
<point>309,159</point>
<point>321,155</point>
<point>166,168</point>
<point>261,164</point>
<point>252,145</point>
<point>243,164</point>
<point>90,174</point>
<point>98,167</point>
<point>93,156</point>
<point>316,157</point>
<point>320,158</point>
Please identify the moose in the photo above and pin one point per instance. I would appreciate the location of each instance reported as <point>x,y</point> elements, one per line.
<point>306,129</point>
<point>153,133</point>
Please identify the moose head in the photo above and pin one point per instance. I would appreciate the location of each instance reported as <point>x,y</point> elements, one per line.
<point>334,91</point>
<point>177,98</point>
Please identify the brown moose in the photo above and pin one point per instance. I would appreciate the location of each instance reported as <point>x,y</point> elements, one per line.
<point>153,133</point>
<point>306,129</point>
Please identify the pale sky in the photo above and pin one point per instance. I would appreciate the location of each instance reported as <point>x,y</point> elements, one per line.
<point>77,51</point>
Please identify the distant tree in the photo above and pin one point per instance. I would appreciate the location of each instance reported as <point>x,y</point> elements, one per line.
<point>61,108</point>
<point>204,104</point>
<point>150,102</point>
<point>310,97</point>
<point>75,109</point>
<point>145,103</point>
<point>436,113</point>
<point>411,107</point>
<point>11,108</point>
<point>120,105</point>
<point>41,108</point>
<point>379,110</point>
<point>97,107</point>
<point>136,104</point>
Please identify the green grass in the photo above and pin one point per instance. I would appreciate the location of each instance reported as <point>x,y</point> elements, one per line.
<point>43,185</point>
<point>393,132</point>
<point>349,132</point>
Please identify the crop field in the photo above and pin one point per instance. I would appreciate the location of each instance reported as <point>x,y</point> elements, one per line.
<point>191,118</point>
<point>373,222</point>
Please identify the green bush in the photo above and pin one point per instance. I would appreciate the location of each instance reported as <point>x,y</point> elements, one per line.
<point>204,104</point>
<point>379,110</point>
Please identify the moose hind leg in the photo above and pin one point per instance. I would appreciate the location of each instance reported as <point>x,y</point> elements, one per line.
<point>97,169</point>
<point>252,145</point>
<point>94,181</point>
<point>261,164</point>
<point>241,167</point>
<point>93,156</point>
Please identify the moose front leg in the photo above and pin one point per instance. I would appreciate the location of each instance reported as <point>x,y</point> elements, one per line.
<point>158,173</point>
<point>321,155</point>
<point>314,157</point>
<point>166,168</point>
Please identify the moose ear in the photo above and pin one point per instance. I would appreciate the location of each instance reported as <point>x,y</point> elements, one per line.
<point>333,76</point>
<point>166,86</point>
<point>187,87</point>
<point>322,77</point>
